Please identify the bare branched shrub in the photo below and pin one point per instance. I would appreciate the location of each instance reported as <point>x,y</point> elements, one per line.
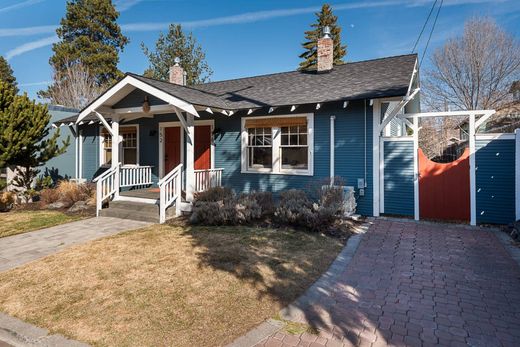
<point>474,71</point>
<point>74,87</point>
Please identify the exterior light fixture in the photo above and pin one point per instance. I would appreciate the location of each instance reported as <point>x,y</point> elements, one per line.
<point>146,105</point>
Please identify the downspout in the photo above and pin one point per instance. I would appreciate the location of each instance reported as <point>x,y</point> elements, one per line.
<point>365,179</point>
<point>332,119</point>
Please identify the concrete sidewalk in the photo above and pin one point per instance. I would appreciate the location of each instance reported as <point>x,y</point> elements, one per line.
<point>19,249</point>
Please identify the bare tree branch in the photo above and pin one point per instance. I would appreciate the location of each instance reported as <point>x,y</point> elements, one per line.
<point>474,71</point>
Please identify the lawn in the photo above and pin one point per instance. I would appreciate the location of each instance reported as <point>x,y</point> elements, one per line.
<point>22,221</point>
<point>167,285</point>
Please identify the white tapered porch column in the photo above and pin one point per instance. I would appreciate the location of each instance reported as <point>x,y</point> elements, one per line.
<point>116,140</point>
<point>190,156</point>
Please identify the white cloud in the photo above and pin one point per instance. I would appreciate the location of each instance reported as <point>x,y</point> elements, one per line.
<point>123,5</point>
<point>27,31</point>
<point>30,46</point>
<point>34,84</point>
<point>243,18</point>
<point>19,5</point>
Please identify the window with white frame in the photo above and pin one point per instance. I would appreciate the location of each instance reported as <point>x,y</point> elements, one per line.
<point>128,148</point>
<point>260,148</point>
<point>277,144</point>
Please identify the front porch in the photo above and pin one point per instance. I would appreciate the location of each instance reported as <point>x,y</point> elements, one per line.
<point>151,152</point>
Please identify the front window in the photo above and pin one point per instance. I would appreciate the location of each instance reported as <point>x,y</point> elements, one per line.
<point>260,148</point>
<point>294,148</point>
<point>128,150</point>
<point>278,144</point>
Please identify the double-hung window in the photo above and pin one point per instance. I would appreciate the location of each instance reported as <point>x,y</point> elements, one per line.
<point>128,148</point>
<point>277,144</point>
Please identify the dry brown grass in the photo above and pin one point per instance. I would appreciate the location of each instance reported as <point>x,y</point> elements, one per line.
<point>17,222</point>
<point>167,285</point>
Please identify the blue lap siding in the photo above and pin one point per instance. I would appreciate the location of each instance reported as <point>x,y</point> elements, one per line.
<point>495,181</point>
<point>350,145</point>
<point>398,178</point>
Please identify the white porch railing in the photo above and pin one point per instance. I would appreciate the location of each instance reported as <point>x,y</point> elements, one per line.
<point>170,188</point>
<point>205,179</point>
<point>135,176</point>
<point>106,186</point>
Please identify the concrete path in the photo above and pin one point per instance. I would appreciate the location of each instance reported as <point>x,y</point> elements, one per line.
<point>22,248</point>
<point>417,284</point>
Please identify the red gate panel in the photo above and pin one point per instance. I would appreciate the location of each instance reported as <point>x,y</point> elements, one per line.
<point>444,188</point>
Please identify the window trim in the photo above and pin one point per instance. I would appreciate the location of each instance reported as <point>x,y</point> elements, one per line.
<point>276,145</point>
<point>102,142</point>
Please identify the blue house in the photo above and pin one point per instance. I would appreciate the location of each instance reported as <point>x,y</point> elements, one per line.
<point>157,142</point>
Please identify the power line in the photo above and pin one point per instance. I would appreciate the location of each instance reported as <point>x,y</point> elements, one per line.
<point>424,26</point>
<point>431,32</point>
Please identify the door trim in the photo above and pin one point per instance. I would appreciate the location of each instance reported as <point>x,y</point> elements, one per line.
<point>163,125</point>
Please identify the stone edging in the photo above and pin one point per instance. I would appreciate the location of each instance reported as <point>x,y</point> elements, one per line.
<point>313,294</point>
<point>18,333</point>
<point>506,241</point>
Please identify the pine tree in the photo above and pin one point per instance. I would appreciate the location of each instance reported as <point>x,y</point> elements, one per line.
<point>89,34</point>
<point>325,18</point>
<point>177,44</point>
<point>6,74</point>
<point>24,136</point>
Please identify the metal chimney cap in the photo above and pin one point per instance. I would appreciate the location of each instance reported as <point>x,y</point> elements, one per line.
<point>177,60</point>
<point>326,32</point>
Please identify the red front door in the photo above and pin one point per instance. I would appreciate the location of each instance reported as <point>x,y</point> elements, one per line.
<point>172,148</point>
<point>202,147</point>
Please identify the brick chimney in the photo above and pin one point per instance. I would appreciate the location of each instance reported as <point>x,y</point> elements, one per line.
<point>177,73</point>
<point>325,51</point>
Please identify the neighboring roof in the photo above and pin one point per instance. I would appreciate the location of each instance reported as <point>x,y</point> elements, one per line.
<point>61,108</point>
<point>377,78</point>
<point>515,86</point>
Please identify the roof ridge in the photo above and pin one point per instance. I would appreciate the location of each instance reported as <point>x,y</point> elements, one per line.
<point>296,71</point>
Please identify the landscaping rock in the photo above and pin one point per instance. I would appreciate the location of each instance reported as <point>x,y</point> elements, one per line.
<point>56,205</point>
<point>79,206</point>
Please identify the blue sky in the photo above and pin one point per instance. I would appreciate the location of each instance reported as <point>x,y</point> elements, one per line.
<point>246,37</point>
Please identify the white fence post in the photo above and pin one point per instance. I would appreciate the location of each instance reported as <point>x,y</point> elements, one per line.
<point>517,173</point>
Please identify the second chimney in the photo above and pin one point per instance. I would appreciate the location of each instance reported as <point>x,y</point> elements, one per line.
<point>325,51</point>
<point>177,73</point>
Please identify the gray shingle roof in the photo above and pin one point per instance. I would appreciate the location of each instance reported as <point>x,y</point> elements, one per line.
<point>383,77</point>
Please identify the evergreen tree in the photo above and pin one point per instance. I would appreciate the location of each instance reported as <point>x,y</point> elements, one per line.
<point>89,34</point>
<point>6,74</point>
<point>177,44</point>
<point>24,136</point>
<point>325,18</point>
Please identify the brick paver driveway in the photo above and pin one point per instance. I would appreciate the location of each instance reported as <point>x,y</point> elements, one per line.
<point>413,284</point>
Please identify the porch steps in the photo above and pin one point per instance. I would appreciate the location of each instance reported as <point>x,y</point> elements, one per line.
<point>138,211</point>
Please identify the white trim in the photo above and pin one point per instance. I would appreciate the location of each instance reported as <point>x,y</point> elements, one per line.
<point>163,125</point>
<point>190,157</point>
<point>132,81</point>
<point>276,167</point>
<point>102,162</point>
<point>376,157</point>
<point>517,173</point>
<point>80,154</point>
<point>136,199</point>
<point>397,138</point>
<point>501,136</point>
<point>398,108</point>
<point>445,114</point>
<point>138,111</point>
<point>382,175</point>
<point>332,145</point>
<point>472,168</point>
<point>416,176</point>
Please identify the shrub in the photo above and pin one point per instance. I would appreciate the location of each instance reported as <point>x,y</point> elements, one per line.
<point>220,206</point>
<point>7,200</point>
<point>49,196</point>
<point>298,210</point>
<point>215,194</point>
<point>264,200</point>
